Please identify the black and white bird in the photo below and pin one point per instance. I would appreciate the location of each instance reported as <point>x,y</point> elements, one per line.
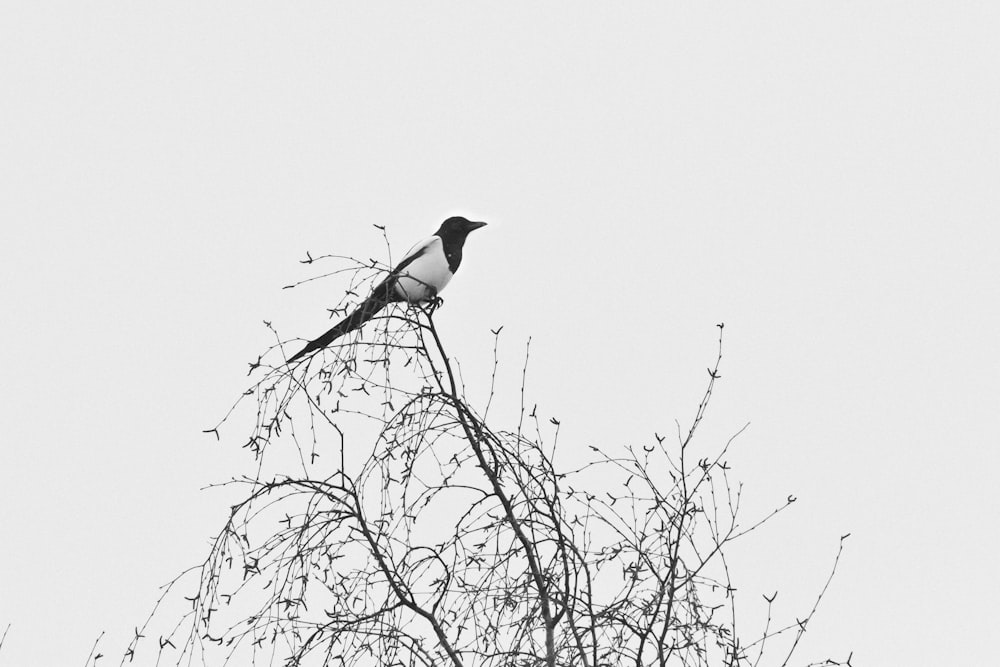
<point>424,271</point>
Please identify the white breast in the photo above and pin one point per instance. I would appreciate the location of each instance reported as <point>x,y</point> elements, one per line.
<point>425,276</point>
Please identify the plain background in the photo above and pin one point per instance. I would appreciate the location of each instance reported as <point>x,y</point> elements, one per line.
<point>820,176</point>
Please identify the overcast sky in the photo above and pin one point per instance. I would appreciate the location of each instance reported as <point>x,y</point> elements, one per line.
<point>820,176</point>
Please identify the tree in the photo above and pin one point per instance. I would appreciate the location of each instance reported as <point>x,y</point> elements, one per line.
<point>453,541</point>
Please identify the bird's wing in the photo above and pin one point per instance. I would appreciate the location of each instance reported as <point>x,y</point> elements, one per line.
<point>413,253</point>
<point>383,293</point>
<point>385,290</point>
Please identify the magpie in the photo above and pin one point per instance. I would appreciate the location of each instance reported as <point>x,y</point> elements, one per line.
<point>421,275</point>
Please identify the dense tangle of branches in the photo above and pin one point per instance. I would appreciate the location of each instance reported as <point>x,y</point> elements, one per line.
<point>447,540</point>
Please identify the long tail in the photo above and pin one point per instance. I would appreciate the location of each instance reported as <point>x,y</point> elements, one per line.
<point>367,310</point>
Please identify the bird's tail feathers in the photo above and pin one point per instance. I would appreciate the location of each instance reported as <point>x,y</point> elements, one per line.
<point>367,310</point>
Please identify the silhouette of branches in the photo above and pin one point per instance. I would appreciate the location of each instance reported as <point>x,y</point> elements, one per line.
<point>447,540</point>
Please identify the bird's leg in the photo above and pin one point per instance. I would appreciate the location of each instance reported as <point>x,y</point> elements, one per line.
<point>434,302</point>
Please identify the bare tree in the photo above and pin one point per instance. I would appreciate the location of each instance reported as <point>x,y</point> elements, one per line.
<point>451,541</point>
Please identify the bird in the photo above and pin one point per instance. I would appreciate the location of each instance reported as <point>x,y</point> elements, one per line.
<point>419,277</point>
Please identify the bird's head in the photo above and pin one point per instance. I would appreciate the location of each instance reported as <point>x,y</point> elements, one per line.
<point>458,227</point>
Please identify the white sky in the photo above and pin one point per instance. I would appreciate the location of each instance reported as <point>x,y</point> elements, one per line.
<point>822,177</point>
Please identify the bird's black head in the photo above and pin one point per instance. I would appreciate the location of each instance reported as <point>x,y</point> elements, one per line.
<point>457,228</point>
<point>452,233</point>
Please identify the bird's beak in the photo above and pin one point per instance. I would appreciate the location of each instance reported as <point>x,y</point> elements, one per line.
<point>472,226</point>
